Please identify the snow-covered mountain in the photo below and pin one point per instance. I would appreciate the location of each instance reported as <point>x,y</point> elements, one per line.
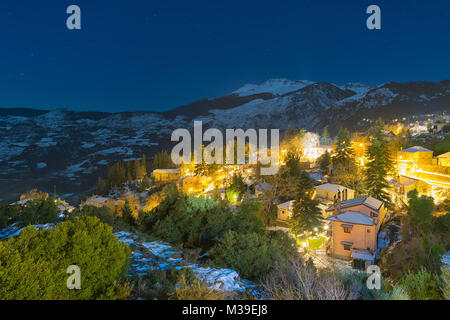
<point>273,86</point>
<point>70,149</point>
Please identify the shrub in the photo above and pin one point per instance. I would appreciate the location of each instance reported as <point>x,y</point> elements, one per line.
<point>445,283</point>
<point>160,284</point>
<point>252,255</point>
<point>197,222</point>
<point>421,286</point>
<point>38,211</point>
<point>102,213</point>
<point>295,280</point>
<point>34,265</point>
<point>195,290</point>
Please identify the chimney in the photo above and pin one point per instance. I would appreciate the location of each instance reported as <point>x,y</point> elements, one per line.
<point>337,206</point>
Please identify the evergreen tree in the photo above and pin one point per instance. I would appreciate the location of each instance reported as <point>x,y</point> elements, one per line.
<point>127,214</point>
<point>138,170</point>
<point>287,178</point>
<point>238,185</point>
<point>129,171</point>
<point>420,209</point>
<point>307,214</point>
<point>379,165</point>
<point>344,151</point>
<point>324,161</point>
<point>345,169</point>
<point>144,164</point>
<point>162,160</point>
<point>325,138</point>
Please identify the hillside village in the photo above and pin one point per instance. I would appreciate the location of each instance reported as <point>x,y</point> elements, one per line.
<point>345,202</point>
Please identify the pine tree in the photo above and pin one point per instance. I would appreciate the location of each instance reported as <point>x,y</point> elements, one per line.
<point>162,160</point>
<point>129,172</point>
<point>307,214</point>
<point>379,165</point>
<point>344,150</point>
<point>325,138</point>
<point>345,169</point>
<point>144,164</point>
<point>138,169</point>
<point>127,214</point>
<point>324,161</point>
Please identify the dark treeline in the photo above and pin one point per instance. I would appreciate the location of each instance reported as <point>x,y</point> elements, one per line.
<point>122,172</point>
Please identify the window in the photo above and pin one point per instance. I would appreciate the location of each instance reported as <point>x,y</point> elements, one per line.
<point>368,230</point>
<point>373,214</point>
<point>347,247</point>
<point>347,228</point>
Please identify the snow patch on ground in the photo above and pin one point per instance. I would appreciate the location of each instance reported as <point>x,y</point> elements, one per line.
<point>14,230</point>
<point>87,145</point>
<point>157,255</point>
<point>41,165</point>
<point>446,260</point>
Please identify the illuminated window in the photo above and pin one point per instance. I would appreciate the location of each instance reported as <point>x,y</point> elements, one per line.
<point>347,228</point>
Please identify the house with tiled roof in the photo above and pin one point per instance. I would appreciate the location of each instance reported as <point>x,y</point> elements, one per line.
<point>354,228</point>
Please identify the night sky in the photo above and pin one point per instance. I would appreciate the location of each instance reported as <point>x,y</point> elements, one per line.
<point>157,55</point>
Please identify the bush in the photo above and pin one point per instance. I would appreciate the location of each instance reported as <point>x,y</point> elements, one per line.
<point>160,284</point>
<point>195,290</point>
<point>295,280</point>
<point>197,222</point>
<point>34,265</point>
<point>38,211</point>
<point>253,255</point>
<point>102,213</point>
<point>421,286</point>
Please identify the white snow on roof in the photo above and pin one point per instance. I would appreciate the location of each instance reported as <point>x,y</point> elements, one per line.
<point>367,200</point>
<point>352,217</point>
<point>287,205</point>
<point>332,187</point>
<point>373,203</point>
<point>416,149</point>
<point>362,255</point>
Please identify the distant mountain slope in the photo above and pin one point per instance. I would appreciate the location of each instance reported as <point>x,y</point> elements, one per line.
<point>69,149</point>
<point>21,112</point>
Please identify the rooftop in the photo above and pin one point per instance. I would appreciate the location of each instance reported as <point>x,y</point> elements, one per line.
<point>362,255</point>
<point>352,217</point>
<point>287,205</point>
<point>332,187</point>
<point>370,202</point>
<point>416,149</point>
<point>404,181</point>
<point>445,155</point>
